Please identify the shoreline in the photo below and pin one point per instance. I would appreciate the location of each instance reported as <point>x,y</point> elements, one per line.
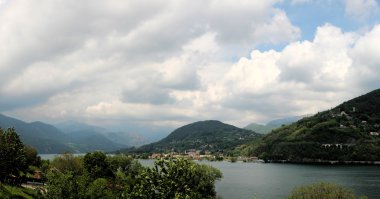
<point>326,162</point>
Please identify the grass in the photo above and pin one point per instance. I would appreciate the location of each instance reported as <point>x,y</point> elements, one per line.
<point>323,190</point>
<point>12,192</point>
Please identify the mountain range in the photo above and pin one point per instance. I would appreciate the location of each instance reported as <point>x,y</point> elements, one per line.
<point>47,138</point>
<point>350,131</point>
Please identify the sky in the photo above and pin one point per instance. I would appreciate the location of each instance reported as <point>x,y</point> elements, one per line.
<point>149,66</point>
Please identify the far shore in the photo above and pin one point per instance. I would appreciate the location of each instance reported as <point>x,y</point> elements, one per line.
<point>306,161</point>
<point>326,162</point>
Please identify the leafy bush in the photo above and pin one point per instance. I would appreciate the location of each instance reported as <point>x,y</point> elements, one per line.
<point>175,178</point>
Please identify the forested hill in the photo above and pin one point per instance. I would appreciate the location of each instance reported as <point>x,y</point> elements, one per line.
<point>349,131</point>
<point>203,135</point>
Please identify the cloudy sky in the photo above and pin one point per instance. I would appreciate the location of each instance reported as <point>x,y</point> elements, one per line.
<point>165,63</point>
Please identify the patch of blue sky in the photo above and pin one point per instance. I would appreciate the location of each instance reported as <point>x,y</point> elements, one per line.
<point>308,16</point>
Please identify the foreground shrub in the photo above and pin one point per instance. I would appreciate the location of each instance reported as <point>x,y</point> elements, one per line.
<point>323,190</point>
<point>175,178</point>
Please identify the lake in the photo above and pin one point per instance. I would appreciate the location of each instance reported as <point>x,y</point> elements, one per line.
<point>52,156</point>
<point>245,180</point>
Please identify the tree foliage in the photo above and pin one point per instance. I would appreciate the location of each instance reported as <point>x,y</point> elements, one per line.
<point>12,155</point>
<point>68,163</point>
<point>96,165</point>
<point>177,178</point>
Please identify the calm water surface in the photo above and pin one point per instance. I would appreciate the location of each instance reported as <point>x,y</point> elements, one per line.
<point>266,181</point>
<point>271,181</point>
<point>52,156</point>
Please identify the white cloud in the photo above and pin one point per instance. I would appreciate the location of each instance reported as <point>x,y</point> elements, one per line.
<point>366,59</point>
<point>173,62</point>
<point>305,77</point>
<point>324,59</point>
<point>278,30</point>
<point>361,9</point>
<point>86,42</point>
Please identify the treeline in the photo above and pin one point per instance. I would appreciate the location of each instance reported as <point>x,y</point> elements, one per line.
<point>17,161</point>
<point>97,175</point>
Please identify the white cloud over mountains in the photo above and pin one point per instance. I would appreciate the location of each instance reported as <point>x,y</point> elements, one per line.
<point>174,62</point>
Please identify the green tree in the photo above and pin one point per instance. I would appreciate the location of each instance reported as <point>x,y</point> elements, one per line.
<point>31,155</point>
<point>68,163</point>
<point>99,188</point>
<point>96,165</point>
<point>175,178</point>
<point>61,185</point>
<point>122,163</point>
<point>12,155</point>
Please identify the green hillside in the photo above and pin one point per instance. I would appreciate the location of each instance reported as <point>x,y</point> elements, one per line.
<point>348,132</point>
<point>204,135</point>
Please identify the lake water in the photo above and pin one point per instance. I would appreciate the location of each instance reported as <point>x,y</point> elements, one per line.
<point>52,156</point>
<point>271,181</point>
<point>245,180</point>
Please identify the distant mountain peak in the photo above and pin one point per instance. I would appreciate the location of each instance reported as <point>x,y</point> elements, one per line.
<point>273,124</point>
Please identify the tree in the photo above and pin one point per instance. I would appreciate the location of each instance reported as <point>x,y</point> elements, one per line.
<point>12,155</point>
<point>32,157</point>
<point>96,165</point>
<point>124,164</point>
<point>61,185</point>
<point>175,178</point>
<point>100,189</point>
<point>68,163</point>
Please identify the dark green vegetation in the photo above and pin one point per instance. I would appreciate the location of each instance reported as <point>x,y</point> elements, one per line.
<point>11,192</point>
<point>210,135</point>
<point>48,139</point>
<point>99,176</point>
<point>267,128</point>
<point>15,158</point>
<point>323,190</point>
<point>347,132</point>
